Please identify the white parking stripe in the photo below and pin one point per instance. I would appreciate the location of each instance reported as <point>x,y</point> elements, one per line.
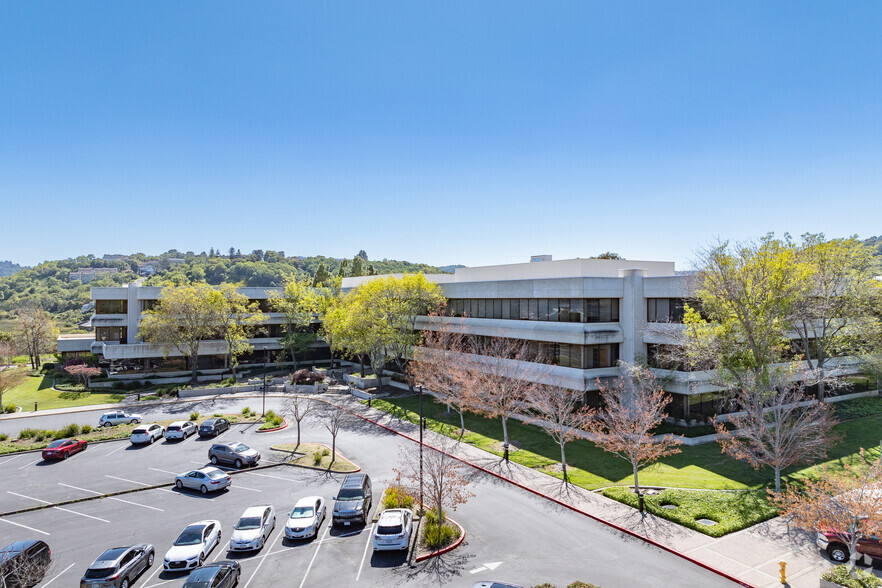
<point>263,558</point>
<point>10,459</point>
<point>222,551</point>
<point>124,480</point>
<point>5,520</point>
<point>158,569</point>
<point>117,449</point>
<point>368,544</point>
<point>112,497</point>
<point>56,577</point>
<point>57,507</point>
<point>245,488</point>
<point>165,471</point>
<point>275,477</point>
<point>30,463</point>
<point>319,546</point>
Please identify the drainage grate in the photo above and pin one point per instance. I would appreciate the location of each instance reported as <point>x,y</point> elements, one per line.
<point>707,522</point>
<point>669,506</point>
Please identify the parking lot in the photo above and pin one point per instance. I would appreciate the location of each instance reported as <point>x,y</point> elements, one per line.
<point>511,535</point>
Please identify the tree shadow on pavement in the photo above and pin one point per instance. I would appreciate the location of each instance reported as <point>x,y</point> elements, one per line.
<point>439,570</point>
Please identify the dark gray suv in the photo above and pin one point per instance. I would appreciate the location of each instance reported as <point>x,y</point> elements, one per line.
<point>118,567</point>
<point>353,501</point>
<point>237,454</point>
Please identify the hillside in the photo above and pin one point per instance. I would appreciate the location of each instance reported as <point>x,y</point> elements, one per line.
<point>876,244</point>
<point>48,283</point>
<point>7,268</point>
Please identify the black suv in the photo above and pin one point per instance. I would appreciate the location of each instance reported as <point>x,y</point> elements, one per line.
<point>24,563</point>
<point>213,427</point>
<point>353,501</point>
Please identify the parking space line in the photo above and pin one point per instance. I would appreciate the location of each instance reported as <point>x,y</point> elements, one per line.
<point>5,520</point>
<point>124,480</point>
<point>161,583</point>
<point>246,488</point>
<point>30,463</point>
<point>263,558</point>
<point>165,471</point>
<point>222,551</point>
<point>57,507</point>
<point>319,546</point>
<point>112,497</point>
<point>117,449</point>
<point>56,577</point>
<point>14,457</point>
<point>275,477</point>
<point>366,545</point>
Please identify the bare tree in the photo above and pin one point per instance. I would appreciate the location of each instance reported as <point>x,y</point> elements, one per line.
<point>37,332</point>
<point>633,406</point>
<point>777,429</point>
<point>438,365</point>
<point>559,415</point>
<point>298,408</point>
<point>7,349</point>
<point>843,503</point>
<point>495,376</point>
<point>443,481</point>
<point>25,569</point>
<point>9,379</point>
<point>335,418</point>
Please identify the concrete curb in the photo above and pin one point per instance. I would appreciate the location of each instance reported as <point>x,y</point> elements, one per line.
<point>570,507</point>
<point>450,547</point>
<point>285,424</point>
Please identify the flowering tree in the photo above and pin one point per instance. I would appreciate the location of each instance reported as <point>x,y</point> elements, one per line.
<point>83,372</point>
<point>844,503</point>
<point>558,410</point>
<point>777,429</point>
<point>633,406</point>
<point>443,481</point>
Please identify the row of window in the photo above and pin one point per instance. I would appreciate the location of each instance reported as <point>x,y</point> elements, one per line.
<point>111,306</point>
<point>566,310</point>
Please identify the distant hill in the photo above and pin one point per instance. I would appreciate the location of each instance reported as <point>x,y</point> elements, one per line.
<point>875,243</point>
<point>49,285</point>
<point>7,268</point>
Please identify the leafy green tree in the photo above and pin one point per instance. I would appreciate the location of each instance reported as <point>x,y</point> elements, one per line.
<point>358,267</point>
<point>238,317</point>
<point>322,275</point>
<point>298,302</point>
<point>184,318</point>
<point>37,332</point>
<point>342,271</point>
<point>362,254</point>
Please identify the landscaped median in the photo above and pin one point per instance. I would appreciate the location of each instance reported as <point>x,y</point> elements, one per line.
<point>315,456</point>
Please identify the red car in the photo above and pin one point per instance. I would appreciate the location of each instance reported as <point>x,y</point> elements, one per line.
<point>63,448</point>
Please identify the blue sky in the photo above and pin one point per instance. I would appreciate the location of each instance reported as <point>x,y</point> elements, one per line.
<point>443,132</point>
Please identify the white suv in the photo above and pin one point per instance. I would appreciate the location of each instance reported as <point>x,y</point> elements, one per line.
<point>147,434</point>
<point>109,419</point>
<point>393,529</point>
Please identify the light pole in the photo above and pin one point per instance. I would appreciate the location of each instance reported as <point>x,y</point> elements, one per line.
<point>421,450</point>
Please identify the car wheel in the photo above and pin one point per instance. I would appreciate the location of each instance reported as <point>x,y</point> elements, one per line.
<point>124,583</point>
<point>134,421</point>
<point>150,559</point>
<point>213,460</point>
<point>106,425</point>
<point>201,558</point>
<point>203,489</point>
<point>179,485</point>
<point>84,446</point>
<point>238,464</point>
<point>66,454</point>
<point>838,553</point>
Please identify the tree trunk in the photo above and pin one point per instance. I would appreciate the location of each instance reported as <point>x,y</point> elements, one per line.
<point>361,361</point>
<point>461,424</point>
<point>563,461</point>
<point>333,448</point>
<point>194,362</point>
<point>636,483</point>
<point>298,433</point>
<point>233,369</point>
<point>293,358</point>
<point>777,479</point>
<point>504,438</point>
<point>332,357</point>
<point>821,390</point>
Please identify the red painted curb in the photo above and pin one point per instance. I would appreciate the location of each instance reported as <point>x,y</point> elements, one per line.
<point>284,425</point>
<point>450,547</point>
<point>573,508</point>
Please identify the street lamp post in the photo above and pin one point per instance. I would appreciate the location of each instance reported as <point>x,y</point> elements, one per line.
<point>421,450</point>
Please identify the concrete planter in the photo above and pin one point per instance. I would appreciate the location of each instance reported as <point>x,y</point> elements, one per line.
<point>366,382</point>
<point>366,395</point>
<point>215,391</point>
<point>316,388</point>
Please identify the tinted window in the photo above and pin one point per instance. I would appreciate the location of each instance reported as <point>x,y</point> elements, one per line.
<point>55,444</point>
<point>98,573</point>
<point>349,494</point>
<point>190,536</point>
<point>390,530</point>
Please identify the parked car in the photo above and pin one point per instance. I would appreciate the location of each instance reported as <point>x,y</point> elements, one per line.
<point>63,448</point>
<point>24,563</point>
<point>213,427</point>
<point>491,584</point>
<point>146,434</point>
<point>109,419</point>
<point>206,480</point>
<point>353,501</point>
<point>118,567</point>
<point>306,518</point>
<point>393,529</point>
<point>192,546</point>
<point>237,454</point>
<point>180,430</point>
<point>836,545</point>
<point>220,574</point>
<point>253,528</point>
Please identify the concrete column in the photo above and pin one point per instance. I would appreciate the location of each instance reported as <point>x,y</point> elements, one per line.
<point>133,316</point>
<point>632,314</point>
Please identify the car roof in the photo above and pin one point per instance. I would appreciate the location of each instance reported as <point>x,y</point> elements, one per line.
<point>353,481</point>
<point>178,423</point>
<point>255,511</point>
<point>109,558</point>
<point>391,516</point>
<point>307,501</point>
<point>14,549</point>
<point>203,523</point>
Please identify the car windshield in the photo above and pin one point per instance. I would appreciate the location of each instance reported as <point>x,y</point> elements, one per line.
<point>349,494</point>
<point>389,530</point>
<point>216,474</point>
<point>190,536</point>
<point>247,523</point>
<point>302,512</point>
<point>239,447</point>
<point>55,444</point>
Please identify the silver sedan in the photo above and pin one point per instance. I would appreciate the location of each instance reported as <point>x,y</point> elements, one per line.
<point>206,480</point>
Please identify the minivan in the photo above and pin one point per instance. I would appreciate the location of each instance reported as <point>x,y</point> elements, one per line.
<point>353,502</point>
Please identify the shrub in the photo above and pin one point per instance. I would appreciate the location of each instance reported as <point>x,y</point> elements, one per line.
<point>437,536</point>
<point>246,411</point>
<point>86,429</point>
<point>580,584</point>
<point>317,457</point>
<point>545,585</point>
<point>217,414</point>
<point>9,408</point>
<point>306,377</point>
<point>326,451</point>
<point>194,415</point>
<point>72,430</point>
<point>397,497</point>
<point>28,433</point>
<point>839,575</point>
<point>3,436</point>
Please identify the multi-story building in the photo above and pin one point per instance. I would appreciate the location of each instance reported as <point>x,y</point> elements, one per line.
<point>116,340</point>
<point>582,316</point>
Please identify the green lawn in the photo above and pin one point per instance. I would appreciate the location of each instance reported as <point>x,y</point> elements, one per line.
<point>702,466</point>
<point>39,389</point>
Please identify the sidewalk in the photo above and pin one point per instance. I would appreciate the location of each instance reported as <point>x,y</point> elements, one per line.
<point>751,555</point>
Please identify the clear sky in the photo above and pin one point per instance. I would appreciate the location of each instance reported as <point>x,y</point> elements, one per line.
<point>442,132</point>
